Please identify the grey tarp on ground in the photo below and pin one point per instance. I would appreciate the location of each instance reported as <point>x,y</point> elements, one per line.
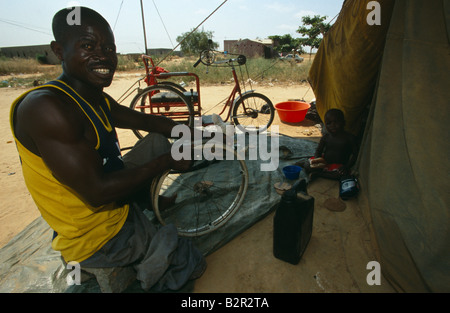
<point>28,263</point>
<point>403,160</point>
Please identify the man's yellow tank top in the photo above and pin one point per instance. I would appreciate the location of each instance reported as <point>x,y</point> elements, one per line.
<point>81,229</point>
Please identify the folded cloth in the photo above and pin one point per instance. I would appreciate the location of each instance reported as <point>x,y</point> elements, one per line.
<point>321,163</point>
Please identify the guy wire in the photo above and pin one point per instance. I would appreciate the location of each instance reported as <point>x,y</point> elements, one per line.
<point>192,32</point>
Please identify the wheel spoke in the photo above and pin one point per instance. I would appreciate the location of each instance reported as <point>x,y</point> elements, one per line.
<point>252,112</point>
<point>205,199</point>
<point>163,100</point>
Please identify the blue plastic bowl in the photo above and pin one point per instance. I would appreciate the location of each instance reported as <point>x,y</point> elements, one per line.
<point>292,171</point>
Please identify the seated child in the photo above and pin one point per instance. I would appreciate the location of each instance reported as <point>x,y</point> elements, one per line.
<point>337,150</point>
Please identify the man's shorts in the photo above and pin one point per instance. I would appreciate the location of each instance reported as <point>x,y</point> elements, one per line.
<point>163,260</point>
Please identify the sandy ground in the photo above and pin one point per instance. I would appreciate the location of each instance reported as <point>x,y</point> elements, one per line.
<point>335,260</point>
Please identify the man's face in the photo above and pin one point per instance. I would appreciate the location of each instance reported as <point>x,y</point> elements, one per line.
<point>89,54</point>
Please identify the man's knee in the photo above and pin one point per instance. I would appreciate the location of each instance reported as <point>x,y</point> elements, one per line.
<point>146,149</point>
<point>158,141</point>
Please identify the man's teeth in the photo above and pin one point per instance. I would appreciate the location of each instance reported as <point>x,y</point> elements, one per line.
<point>102,70</point>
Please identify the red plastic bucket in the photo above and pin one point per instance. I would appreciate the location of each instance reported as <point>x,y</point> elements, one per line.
<point>292,111</point>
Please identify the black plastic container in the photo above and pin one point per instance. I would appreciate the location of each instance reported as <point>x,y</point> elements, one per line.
<point>348,187</point>
<point>293,223</point>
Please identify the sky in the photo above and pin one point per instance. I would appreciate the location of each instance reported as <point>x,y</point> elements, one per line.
<point>28,22</point>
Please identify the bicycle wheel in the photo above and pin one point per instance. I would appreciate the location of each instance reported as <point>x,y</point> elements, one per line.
<point>253,112</point>
<point>207,196</point>
<point>172,84</point>
<point>164,100</point>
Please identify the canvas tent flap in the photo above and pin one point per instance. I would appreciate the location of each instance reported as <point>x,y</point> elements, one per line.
<point>407,181</point>
<point>346,65</point>
<point>403,158</point>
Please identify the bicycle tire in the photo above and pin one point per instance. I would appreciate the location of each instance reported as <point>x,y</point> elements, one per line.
<point>183,109</point>
<point>253,113</point>
<point>205,201</point>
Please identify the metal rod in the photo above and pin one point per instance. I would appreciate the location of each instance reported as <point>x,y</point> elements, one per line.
<point>143,26</point>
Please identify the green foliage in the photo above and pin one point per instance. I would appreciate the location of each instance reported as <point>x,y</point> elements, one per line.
<point>196,42</point>
<point>313,29</point>
<point>42,59</point>
<point>286,43</point>
<point>125,63</point>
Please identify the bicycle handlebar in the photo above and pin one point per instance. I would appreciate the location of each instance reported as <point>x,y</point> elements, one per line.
<point>198,62</point>
<point>241,60</point>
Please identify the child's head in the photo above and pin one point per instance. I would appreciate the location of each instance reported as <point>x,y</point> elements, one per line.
<point>334,121</point>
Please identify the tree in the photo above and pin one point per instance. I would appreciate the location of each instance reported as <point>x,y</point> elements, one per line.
<point>195,42</point>
<point>286,43</point>
<point>314,29</point>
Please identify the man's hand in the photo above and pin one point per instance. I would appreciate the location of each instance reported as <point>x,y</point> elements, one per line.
<point>181,165</point>
<point>343,170</point>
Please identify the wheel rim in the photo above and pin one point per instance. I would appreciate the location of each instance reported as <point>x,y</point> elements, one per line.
<point>163,100</point>
<point>205,200</point>
<point>253,113</point>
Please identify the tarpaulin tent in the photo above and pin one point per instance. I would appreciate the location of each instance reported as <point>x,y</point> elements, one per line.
<point>392,82</point>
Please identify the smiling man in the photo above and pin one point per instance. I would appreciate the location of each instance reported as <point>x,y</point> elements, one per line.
<point>87,192</point>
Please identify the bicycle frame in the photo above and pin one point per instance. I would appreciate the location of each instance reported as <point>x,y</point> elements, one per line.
<point>232,97</point>
<point>155,74</point>
<point>236,92</point>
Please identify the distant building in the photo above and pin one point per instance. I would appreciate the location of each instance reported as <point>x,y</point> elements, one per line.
<point>162,52</point>
<point>250,48</point>
<point>156,54</point>
<point>43,53</point>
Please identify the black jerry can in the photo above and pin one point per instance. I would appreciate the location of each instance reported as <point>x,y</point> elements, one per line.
<point>293,223</point>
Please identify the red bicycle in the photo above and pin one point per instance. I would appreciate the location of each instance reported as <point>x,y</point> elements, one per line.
<point>249,111</point>
<point>211,192</point>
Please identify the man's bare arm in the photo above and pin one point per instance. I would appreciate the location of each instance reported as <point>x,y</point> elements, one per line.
<point>58,134</point>
<point>127,118</point>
